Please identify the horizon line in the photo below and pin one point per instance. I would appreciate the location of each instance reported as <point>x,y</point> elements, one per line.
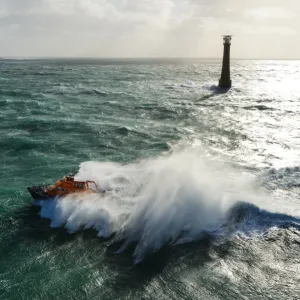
<point>133,58</point>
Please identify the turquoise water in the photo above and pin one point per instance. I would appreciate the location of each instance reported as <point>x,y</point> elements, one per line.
<point>203,198</point>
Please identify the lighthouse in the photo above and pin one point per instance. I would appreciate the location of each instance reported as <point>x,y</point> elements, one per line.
<point>225,81</point>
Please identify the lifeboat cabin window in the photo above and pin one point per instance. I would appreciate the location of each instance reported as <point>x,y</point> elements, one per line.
<point>79,185</point>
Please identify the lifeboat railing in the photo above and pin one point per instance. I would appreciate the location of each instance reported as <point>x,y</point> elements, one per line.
<point>93,182</point>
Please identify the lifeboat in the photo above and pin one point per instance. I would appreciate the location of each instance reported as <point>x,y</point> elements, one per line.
<point>62,188</point>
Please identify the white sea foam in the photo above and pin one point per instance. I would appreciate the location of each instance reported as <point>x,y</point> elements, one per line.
<point>170,199</point>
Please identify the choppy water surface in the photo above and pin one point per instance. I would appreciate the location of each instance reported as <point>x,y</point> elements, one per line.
<point>203,199</point>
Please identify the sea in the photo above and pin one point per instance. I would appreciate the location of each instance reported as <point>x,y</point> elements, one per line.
<point>201,184</point>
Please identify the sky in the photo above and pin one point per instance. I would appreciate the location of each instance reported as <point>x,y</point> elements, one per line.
<point>263,29</point>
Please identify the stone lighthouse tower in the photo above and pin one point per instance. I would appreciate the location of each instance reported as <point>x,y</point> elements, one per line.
<point>225,81</point>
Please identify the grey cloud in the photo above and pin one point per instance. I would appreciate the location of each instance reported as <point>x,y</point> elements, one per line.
<point>141,27</point>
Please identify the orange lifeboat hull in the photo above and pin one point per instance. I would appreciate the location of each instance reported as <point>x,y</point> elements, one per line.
<point>62,188</point>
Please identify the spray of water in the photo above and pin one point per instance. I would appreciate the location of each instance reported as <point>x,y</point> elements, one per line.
<point>170,199</point>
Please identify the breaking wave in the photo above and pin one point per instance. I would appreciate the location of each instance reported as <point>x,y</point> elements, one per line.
<point>172,199</point>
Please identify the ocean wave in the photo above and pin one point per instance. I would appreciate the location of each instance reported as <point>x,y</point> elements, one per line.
<point>19,140</point>
<point>126,131</point>
<point>16,93</point>
<point>258,107</point>
<point>286,178</point>
<point>251,220</point>
<point>216,89</point>
<point>76,91</point>
<point>92,92</point>
<point>43,73</point>
<point>172,199</point>
<point>5,102</point>
<point>186,85</point>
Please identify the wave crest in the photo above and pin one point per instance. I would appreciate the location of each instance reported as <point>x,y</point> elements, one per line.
<point>167,200</point>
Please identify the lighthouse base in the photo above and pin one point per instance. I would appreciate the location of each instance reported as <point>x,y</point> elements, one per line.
<point>226,84</point>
